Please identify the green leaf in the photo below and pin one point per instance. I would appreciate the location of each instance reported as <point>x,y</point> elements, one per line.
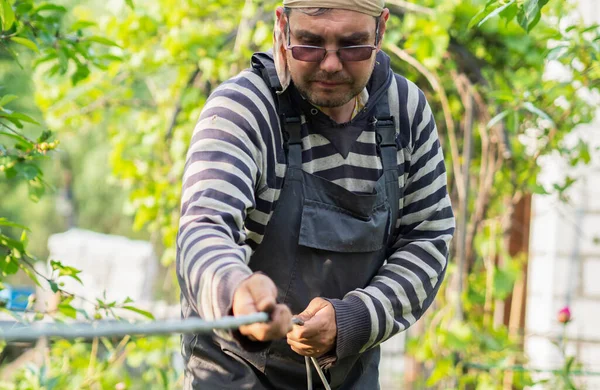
<point>7,99</point>
<point>25,42</point>
<point>475,18</point>
<point>6,222</point>
<point>509,13</point>
<point>82,73</point>
<point>21,117</point>
<point>11,266</point>
<point>67,310</point>
<point>16,247</point>
<point>64,270</point>
<point>538,189</point>
<point>45,136</point>
<point>81,24</point>
<point>129,3</point>
<point>496,12</point>
<point>28,171</point>
<point>63,59</point>
<point>530,14</point>
<point>17,137</point>
<point>8,15</point>
<point>443,369</point>
<point>101,40</point>
<point>139,311</point>
<point>36,189</point>
<point>53,286</point>
<point>49,7</point>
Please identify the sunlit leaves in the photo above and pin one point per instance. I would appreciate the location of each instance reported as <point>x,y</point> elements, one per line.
<point>528,12</point>
<point>7,15</point>
<point>25,42</point>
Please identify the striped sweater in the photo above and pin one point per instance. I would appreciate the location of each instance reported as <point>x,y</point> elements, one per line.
<point>234,173</point>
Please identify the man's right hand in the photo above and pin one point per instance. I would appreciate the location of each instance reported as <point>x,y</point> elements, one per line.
<point>259,293</point>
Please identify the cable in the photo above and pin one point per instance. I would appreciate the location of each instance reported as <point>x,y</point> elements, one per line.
<point>309,384</point>
<point>25,332</point>
<point>321,374</point>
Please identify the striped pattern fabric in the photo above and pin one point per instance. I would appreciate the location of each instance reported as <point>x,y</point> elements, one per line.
<point>232,181</point>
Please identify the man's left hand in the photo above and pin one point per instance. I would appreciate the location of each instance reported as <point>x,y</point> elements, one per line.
<point>317,336</point>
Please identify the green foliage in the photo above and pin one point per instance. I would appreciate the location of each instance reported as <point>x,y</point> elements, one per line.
<point>140,73</point>
<point>528,12</point>
<point>62,48</point>
<point>135,364</point>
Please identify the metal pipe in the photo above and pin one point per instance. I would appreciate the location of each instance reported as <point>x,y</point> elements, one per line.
<point>24,332</point>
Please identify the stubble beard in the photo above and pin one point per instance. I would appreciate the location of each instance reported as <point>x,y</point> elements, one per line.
<point>328,100</point>
<point>305,86</point>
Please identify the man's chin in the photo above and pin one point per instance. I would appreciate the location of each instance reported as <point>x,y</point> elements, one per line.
<point>321,100</point>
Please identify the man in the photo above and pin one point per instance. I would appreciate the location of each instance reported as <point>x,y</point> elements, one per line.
<point>315,186</point>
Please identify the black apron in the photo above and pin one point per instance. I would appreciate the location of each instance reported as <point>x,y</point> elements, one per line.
<point>322,241</point>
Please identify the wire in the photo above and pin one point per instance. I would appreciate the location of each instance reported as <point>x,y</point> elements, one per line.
<point>320,372</point>
<point>309,384</point>
<point>25,332</point>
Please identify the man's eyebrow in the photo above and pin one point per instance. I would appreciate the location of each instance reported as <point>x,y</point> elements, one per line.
<point>307,35</point>
<point>354,37</point>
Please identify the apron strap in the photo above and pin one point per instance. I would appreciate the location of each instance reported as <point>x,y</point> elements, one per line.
<point>291,126</point>
<point>387,127</point>
<point>290,121</point>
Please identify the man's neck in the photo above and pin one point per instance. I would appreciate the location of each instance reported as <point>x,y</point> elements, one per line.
<point>341,114</point>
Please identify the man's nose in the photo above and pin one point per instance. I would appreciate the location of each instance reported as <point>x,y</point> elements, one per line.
<point>331,63</point>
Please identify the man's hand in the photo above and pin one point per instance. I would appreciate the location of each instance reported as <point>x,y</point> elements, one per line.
<point>255,294</point>
<point>317,336</point>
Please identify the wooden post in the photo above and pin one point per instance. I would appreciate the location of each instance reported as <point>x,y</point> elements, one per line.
<point>515,305</point>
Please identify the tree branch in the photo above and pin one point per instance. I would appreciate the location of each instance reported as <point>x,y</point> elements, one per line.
<point>436,84</point>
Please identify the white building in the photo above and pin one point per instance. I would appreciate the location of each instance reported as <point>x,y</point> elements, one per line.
<point>564,265</point>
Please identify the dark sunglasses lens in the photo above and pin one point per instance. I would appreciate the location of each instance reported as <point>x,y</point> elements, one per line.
<point>308,54</point>
<point>355,53</point>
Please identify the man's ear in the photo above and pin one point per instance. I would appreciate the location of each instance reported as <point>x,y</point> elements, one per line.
<point>281,19</point>
<point>385,15</point>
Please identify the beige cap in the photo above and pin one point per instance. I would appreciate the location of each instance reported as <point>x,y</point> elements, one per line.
<point>369,7</point>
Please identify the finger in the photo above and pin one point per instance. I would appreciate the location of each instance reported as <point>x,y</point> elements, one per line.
<point>304,349</point>
<point>257,332</point>
<point>243,303</point>
<point>281,320</point>
<point>264,293</point>
<point>313,308</point>
<point>277,328</point>
<point>306,332</point>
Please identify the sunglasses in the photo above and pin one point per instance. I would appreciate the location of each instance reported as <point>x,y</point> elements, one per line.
<point>317,53</point>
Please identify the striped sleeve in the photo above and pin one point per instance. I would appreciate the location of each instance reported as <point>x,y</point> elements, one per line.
<point>224,166</point>
<point>407,283</point>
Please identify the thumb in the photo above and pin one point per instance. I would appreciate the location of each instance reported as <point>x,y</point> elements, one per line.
<point>313,308</point>
<point>264,294</point>
<point>265,302</point>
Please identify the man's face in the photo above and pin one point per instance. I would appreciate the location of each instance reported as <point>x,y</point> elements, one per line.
<point>331,82</point>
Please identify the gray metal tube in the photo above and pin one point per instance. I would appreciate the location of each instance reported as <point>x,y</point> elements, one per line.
<point>23,332</point>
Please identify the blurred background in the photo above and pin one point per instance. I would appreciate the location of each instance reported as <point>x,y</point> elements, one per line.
<point>98,101</point>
